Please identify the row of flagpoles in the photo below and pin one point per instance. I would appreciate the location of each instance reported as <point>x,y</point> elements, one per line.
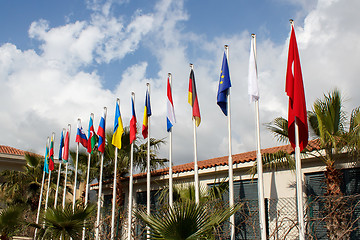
<point>298,137</point>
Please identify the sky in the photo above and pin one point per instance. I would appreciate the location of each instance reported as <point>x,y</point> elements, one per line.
<point>62,60</point>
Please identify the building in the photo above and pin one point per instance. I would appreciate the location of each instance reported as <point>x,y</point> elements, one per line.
<point>11,158</point>
<point>279,188</point>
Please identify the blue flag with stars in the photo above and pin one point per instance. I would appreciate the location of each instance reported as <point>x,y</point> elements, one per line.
<point>224,85</point>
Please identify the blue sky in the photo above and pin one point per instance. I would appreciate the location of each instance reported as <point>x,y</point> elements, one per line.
<point>62,60</point>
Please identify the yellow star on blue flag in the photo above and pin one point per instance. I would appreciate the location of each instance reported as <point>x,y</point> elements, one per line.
<point>224,85</point>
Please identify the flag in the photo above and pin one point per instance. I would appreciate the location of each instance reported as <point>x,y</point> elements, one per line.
<point>253,89</point>
<point>101,134</point>
<point>118,128</point>
<point>66,147</point>
<point>170,116</point>
<point>61,145</point>
<point>224,86</point>
<point>91,136</point>
<point>147,114</point>
<point>132,123</point>
<point>193,100</point>
<point>80,135</point>
<point>46,160</point>
<point>51,154</point>
<point>295,90</point>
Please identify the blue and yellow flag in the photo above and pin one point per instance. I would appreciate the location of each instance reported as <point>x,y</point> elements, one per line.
<point>46,160</point>
<point>224,86</point>
<point>118,128</point>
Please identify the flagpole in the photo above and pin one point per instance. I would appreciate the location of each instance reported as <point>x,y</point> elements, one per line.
<point>299,180</point>
<point>48,188</point>
<point>40,200</point>
<point>66,170</point>
<point>230,161</point>
<point>131,182</point>
<point>148,175</point>
<point>58,179</point>
<point>87,180</point>
<point>196,168</point>
<point>261,197</point>
<point>76,168</point>
<point>57,185</point>
<point>170,157</point>
<point>100,187</point>
<point>114,189</point>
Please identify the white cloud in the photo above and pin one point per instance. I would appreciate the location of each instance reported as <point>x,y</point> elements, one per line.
<point>46,90</point>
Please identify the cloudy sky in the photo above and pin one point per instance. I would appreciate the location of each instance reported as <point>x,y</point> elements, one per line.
<point>62,60</point>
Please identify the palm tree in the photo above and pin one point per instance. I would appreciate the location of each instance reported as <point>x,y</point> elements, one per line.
<point>186,221</point>
<point>23,187</point>
<point>328,124</point>
<point>140,157</point>
<point>65,223</point>
<point>10,221</point>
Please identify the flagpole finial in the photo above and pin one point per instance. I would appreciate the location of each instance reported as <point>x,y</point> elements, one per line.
<point>118,101</point>
<point>191,66</point>
<point>253,35</point>
<point>92,115</point>
<point>226,46</point>
<point>169,74</point>
<point>291,22</point>
<point>132,93</point>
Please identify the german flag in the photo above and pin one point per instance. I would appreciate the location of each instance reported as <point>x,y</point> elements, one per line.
<point>193,100</point>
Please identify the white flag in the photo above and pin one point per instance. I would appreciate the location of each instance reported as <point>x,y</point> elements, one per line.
<point>253,89</point>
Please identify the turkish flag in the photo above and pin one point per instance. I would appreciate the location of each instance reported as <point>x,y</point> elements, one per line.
<point>295,90</point>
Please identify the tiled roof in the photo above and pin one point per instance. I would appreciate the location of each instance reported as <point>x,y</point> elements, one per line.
<point>14,151</point>
<point>223,161</point>
<point>11,150</point>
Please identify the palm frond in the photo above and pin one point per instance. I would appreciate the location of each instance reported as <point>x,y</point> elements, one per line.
<point>275,161</point>
<point>279,127</point>
<point>186,220</point>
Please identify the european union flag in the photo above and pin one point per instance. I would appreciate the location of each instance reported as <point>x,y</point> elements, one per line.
<point>224,85</point>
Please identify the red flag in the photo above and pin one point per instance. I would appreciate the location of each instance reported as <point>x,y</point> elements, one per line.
<point>193,100</point>
<point>51,154</point>
<point>295,90</point>
<point>132,123</point>
<point>66,147</point>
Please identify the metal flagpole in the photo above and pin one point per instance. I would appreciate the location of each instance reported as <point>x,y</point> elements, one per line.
<point>114,197</point>
<point>58,179</point>
<point>170,157</point>
<point>66,170</point>
<point>196,168</point>
<point>299,178</point>
<point>131,183</point>
<point>87,178</point>
<point>148,175</point>
<point>114,189</point>
<point>100,188</point>
<point>48,188</point>
<point>40,200</point>
<point>261,197</point>
<point>57,184</point>
<point>65,180</point>
<point>230,162</point>
<point>76,168</point>
<point>299,184</point>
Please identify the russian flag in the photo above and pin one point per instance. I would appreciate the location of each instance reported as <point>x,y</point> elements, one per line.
<point>101,134</point>
<point>80,135</point>
<point>170,115</point>
<point>133,123</point>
